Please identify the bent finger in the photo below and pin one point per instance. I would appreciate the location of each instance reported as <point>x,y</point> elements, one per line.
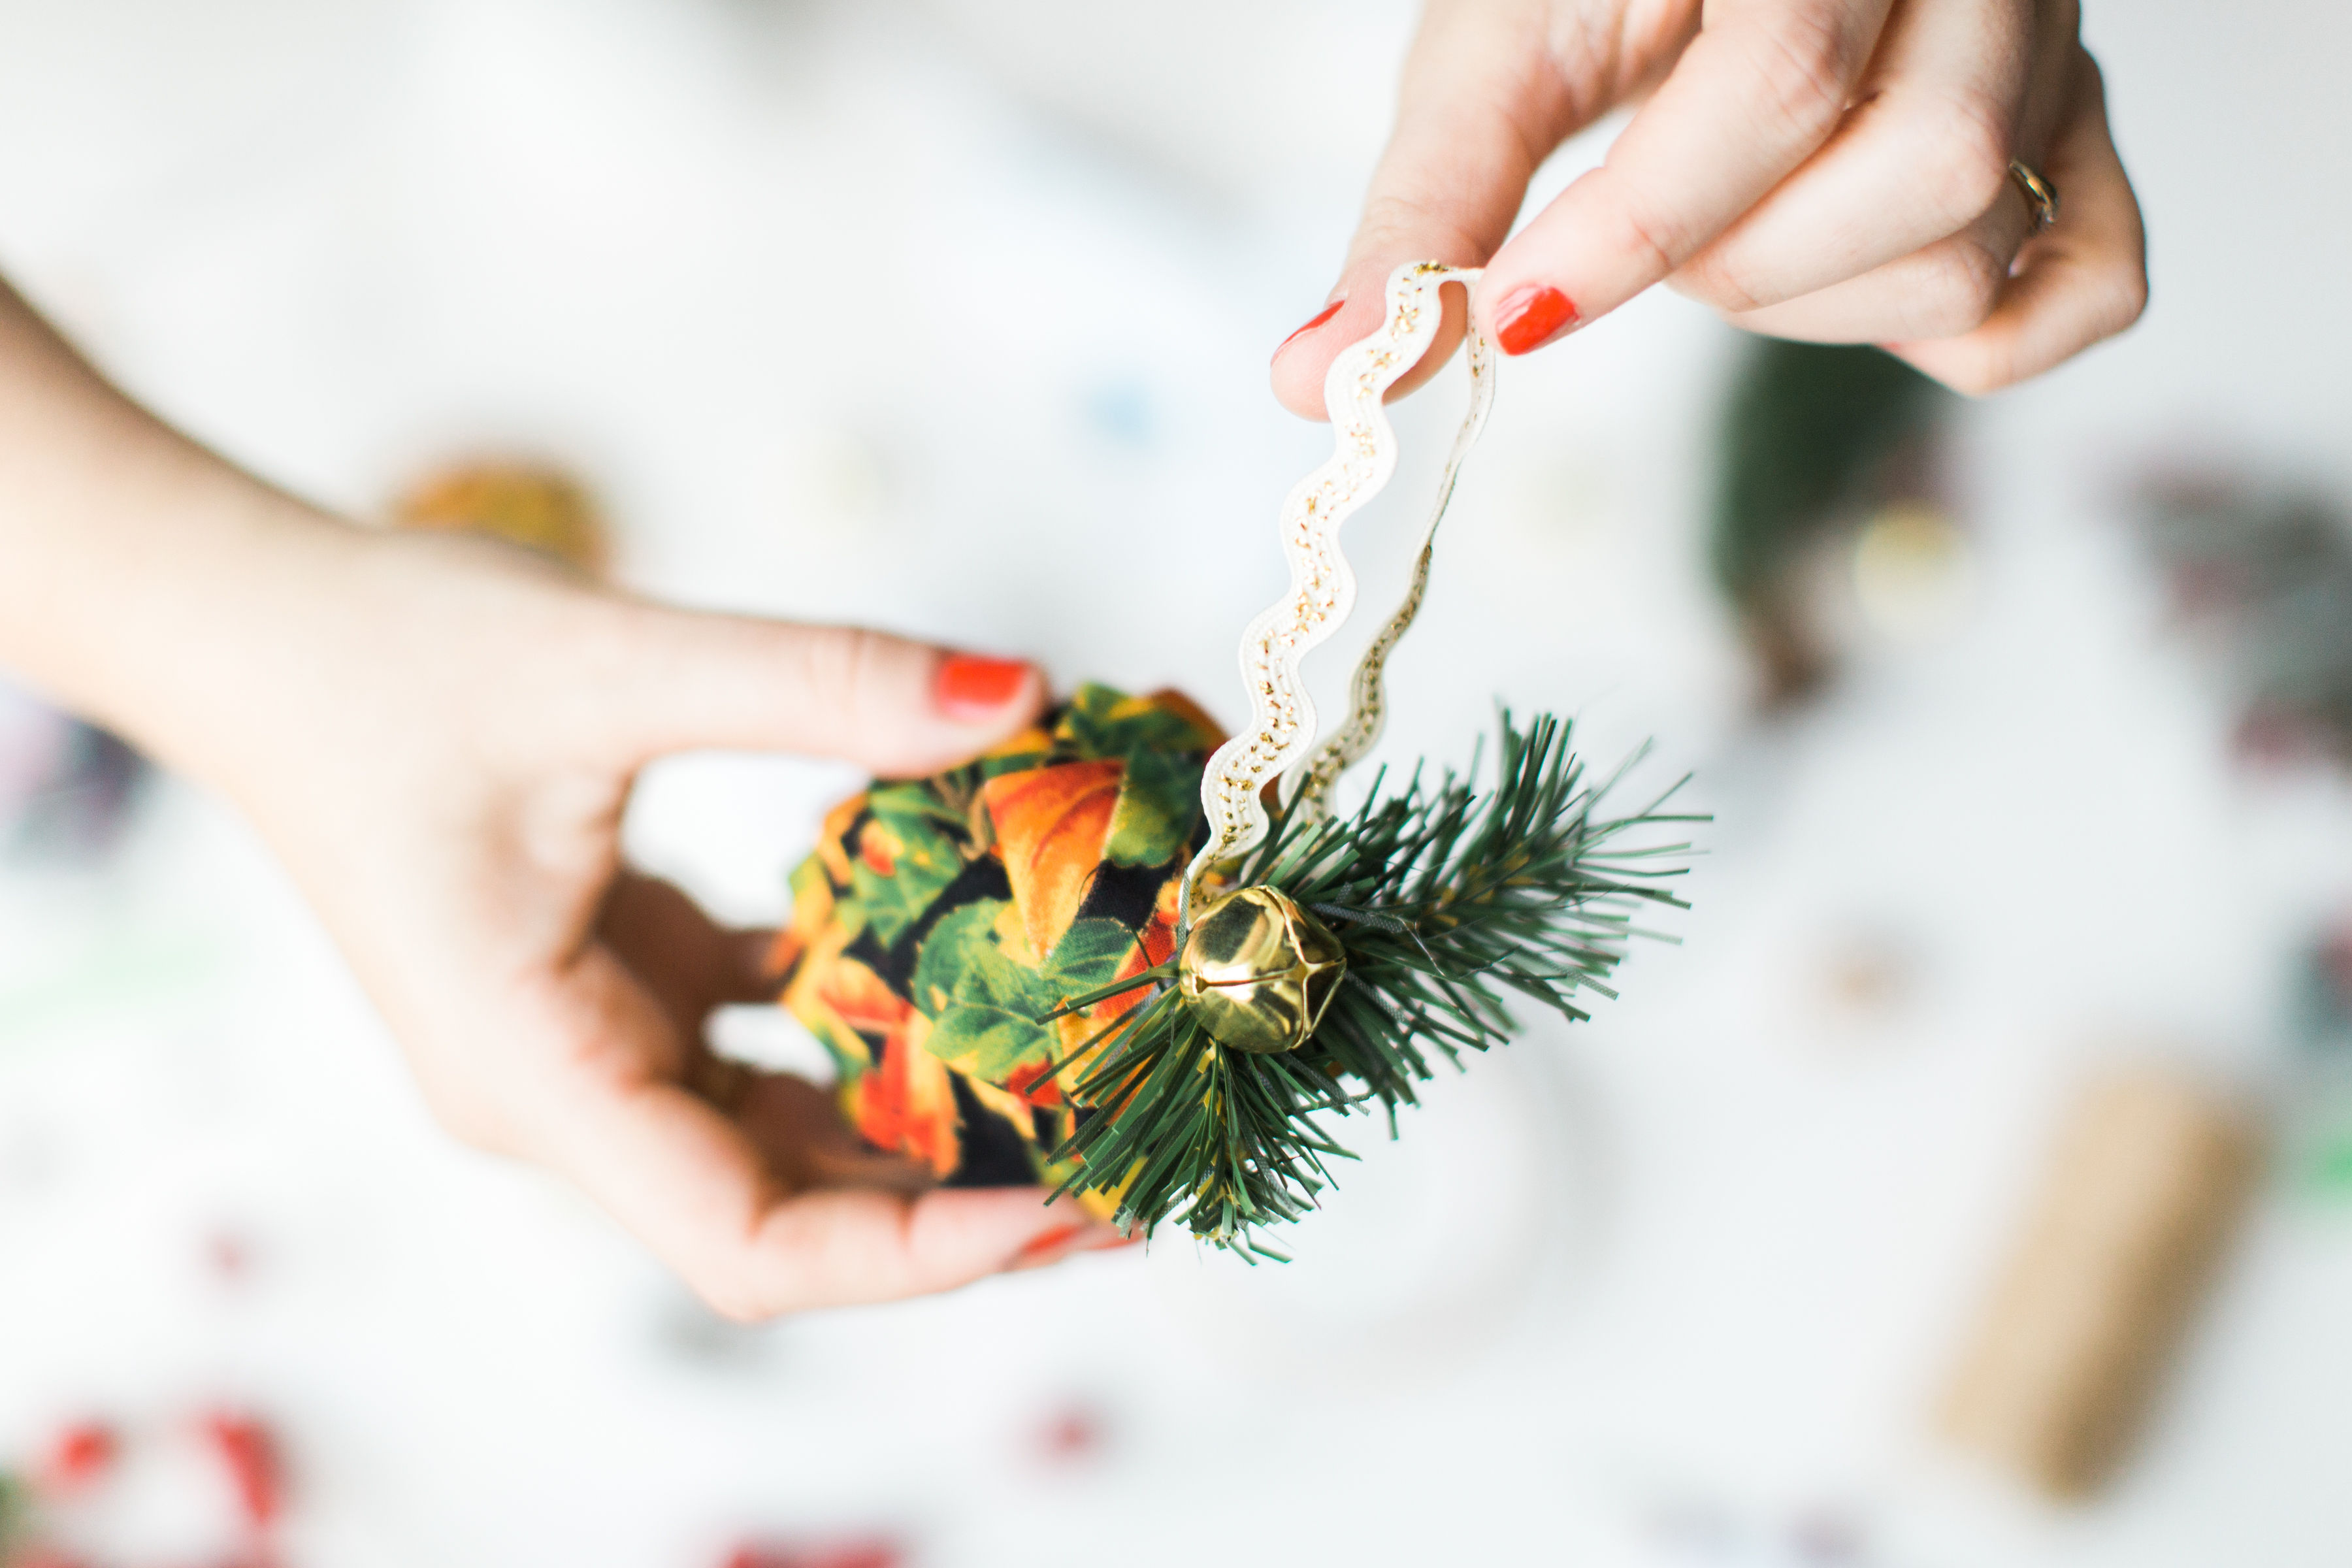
<point>1940,290</point>
<point>1481,104</point>
<point>2083,280</point>
<point>1762,86</point>
<point>798,1128</point>
<point>1923,154</point>
<point>691,963</point>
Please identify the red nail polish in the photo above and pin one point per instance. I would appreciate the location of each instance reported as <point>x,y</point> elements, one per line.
<point>1043,1247</point>
<point>1322,316</point>
<point>969,687</point>
<point>1114,1242</point>
<point>1531,317</point>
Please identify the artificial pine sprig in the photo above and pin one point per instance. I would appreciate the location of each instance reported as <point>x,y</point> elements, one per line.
<point>1448,902</point>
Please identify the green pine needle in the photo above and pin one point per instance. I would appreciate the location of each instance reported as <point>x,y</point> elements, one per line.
<point>1449,903</point>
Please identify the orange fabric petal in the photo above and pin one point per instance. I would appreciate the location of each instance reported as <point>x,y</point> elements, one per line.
<point>1051,824</point>
<point>784,952</point>
<point>857,995</point>
<point>908,1105</point>
<point>879,848</point>
<point>1022,1085</point>
<point>829,847</point>
<point>823,985</point>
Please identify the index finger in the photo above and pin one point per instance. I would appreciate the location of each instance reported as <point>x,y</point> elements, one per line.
<point>1480,103</point>
<point>1761,88</point>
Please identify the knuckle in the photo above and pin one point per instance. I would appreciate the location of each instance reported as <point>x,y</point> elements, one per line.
<point>1805,61</point>
<point>835,666</point>
<point>1407,223</point>
<point>828,663</point>
<point>1966,162</point>
<point>1652,244</point>
<point>1723,282</point>
<point>1961,291</point>
<point>859,692</point>
<point>1972,286</point>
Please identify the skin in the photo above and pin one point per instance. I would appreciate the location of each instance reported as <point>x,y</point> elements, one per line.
<point>437,735</point>
<point>1830,170</point>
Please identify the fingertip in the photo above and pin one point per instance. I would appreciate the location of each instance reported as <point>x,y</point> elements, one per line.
<point>967,1232</point>
<point>1304,360</point>
<point>972,702</point>
<point>853,1246</point>
<point>1301,361</point>
<point>986,693</point>
<point>1529,316</point>
<point>1352,313</point>
<point>1301,393</point>
<point>1313,321</point>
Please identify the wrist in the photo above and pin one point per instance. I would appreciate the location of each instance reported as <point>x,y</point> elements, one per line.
<point>144,573</point>
<point>169,624</point>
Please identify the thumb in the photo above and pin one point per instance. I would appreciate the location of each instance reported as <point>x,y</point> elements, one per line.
<point>1481,105</point>
<point>902,709</point>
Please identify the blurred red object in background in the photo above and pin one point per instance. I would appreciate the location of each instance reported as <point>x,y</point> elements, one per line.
<point>227,1256</point>
<point>1071,1435</point>
<point>250,1453</point>
<point>873,1551</point>
<point>78,1456</point>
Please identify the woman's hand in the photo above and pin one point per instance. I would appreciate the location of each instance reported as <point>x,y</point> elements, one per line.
<point>1832,170</point>
<point>437,734</point>
<point>445,775</point>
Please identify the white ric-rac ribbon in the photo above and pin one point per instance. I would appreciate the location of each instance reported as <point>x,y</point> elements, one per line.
<point>1322,591</point>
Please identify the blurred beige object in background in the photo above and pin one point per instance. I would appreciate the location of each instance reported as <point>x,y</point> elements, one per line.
<point>2149,1175</point>
<point>535,506</point>
<point>1915,573</point>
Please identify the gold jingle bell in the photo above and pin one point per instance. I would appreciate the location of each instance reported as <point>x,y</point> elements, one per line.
<point>1259,971</point>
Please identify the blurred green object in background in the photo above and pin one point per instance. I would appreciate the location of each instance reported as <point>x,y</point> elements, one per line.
<point>1812,436</point>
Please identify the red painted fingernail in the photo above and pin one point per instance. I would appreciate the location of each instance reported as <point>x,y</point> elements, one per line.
<point>970,688</point>
<point>1322,316</point>
<point>1531,317</point>
<point>1044,1247</point>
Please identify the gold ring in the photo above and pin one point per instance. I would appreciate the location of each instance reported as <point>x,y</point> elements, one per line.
<point>2041,196</point>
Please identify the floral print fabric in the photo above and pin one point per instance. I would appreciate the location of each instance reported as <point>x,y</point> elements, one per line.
<point>939,920</point>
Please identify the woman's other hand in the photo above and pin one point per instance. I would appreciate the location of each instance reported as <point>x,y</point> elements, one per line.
<point>1830,170</point>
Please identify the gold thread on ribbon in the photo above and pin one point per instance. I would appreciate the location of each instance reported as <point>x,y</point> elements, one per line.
<point>1368,709</point>
<point>1322,585</point>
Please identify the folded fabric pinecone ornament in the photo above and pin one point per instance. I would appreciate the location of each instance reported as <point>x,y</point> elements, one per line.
<point>1094,958</point>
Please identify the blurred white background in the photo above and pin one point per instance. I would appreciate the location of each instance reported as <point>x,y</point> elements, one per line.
<point>953,317</point>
